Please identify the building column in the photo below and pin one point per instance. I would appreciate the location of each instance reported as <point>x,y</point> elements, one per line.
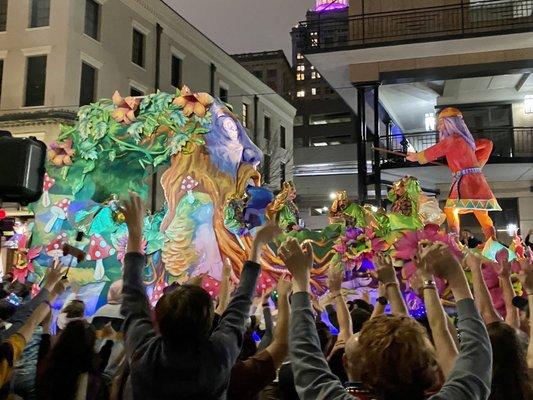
<point>376,168</point>
<point>362,191</point>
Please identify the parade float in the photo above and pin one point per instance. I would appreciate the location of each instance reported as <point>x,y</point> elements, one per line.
<point>213,202</point>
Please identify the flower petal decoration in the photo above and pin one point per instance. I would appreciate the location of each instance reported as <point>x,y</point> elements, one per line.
<point>125,108</point>
<point>60,153</point>
<point>193,103</point>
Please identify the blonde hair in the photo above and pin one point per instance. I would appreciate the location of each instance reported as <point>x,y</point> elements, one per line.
<point>395,358</point>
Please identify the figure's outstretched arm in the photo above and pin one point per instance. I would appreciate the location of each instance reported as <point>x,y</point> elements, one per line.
<point>483,150</point>
<point>438,150</point>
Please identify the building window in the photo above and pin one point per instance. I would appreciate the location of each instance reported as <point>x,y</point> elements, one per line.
<point>1,75</point>
<point>299,120</point>
<point>92,18</point>
<point>176,72</point>
<point>134,92</point>
<point>300,68</point>
<point>35,81</point>
<point>282,136</point>
<point>267,134</point>
<point>258,74</point>
<point>323,119</point>
<point>282,174</point>
<point>272,73</point>
<point>266,168</point>
<point>314,75</point>
<point>245,113</point>
<point>39,13</point>
<point>137,50</point>
<point>300,93</point>
<point>313,91</point>
<point>87,84</point>
<point>300,77</point>
<point>3,15</point>
<point>223,94</point>
<point>299,56</point>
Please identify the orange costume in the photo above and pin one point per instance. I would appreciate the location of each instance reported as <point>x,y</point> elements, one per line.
<point>466,157</point>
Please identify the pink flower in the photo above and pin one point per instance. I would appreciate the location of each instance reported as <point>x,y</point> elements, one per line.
<point>340,248</point>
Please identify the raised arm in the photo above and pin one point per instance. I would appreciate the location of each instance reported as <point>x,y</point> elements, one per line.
<point>269,324</point>
<point>227,337</point>
<point>387,276</point>
<point>312,377</point>
<point>381,303</point>
<point>223,296</point>
<point>470,378</point>
<point>343,314</point>
<point>512,316</point>
<point>482,296</point>
<point>279,347</point>
<point>438,320</point>
<point>527,270</point>
<point>135,308</point>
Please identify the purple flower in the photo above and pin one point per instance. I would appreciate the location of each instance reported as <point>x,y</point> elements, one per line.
<point>353,233</point>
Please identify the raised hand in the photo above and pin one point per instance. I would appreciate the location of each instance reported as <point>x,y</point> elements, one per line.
<point>335,278</point>
<point>472,260</point>
<point>385,269</point>
<point>264,235</point>
<point>284,287</point>
<point>53,275</point>
<point>503,266</point>
<point>134,213</point>
<point>299,261</point>
<point>527,275</point>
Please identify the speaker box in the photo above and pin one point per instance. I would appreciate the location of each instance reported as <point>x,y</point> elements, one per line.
<point>21,169</point>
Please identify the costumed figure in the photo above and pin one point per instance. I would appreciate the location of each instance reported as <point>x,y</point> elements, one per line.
<point>283,209</point>
<point>470,192</point>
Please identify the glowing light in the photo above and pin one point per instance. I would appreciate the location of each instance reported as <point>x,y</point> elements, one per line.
<point>332,196</point>
<point>325,209</point>
<point>528,104</point>
<point>320,144</point>
<point>511,229</point>
<point>429,120</point>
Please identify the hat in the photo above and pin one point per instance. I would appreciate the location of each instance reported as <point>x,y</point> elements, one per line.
<point>450,112</point>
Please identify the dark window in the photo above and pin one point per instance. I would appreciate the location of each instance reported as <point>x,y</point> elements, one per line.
<point>35,81</point>
<point>258,74</point>
<point>1,76</point>
<point>282,173</point>
<point>272,73</point>
<point>176,72</point>
<point>39,13</point>
<point>245,114</point>
<point>88,84</point>
<point>3,15</point>
<point>223,94</point>
<point>282,137</point>
<point>135,92</point>
<point>137,50</point>
<point>267,133</point>
<point>92,18</point>
<point>266,168</point>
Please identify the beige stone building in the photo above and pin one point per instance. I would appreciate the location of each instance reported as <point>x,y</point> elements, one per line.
<point>58,54</point>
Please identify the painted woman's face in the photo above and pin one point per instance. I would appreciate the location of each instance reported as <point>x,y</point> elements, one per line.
<point>230,127</point>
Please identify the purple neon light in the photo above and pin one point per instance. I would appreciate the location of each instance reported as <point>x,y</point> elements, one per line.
<point>330,5</point>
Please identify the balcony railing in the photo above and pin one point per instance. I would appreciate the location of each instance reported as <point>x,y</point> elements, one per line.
<point>468,19</point>
<point>511,142</point>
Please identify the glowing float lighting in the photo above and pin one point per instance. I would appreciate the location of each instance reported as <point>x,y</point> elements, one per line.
<point>330,5</point>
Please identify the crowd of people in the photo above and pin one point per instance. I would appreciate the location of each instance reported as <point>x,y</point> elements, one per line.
<point>276,346</point>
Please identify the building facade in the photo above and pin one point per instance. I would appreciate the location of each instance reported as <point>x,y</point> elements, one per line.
<point>56,55</point>
<point>473,55</point>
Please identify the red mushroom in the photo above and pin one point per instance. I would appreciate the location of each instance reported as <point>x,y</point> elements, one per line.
<point>59,211</point>
<point>98,250</point>
<point>47,185</point>
<point>55,247</point>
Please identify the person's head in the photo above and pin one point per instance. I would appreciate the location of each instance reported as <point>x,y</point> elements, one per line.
<point>359,317</point>
<point>74,309</point>
<point>185,315</point>
<point>394,357</point>
<point>72,355</point>
<point>465,234</point>
<point>114,295</point>
<point>509,366</point>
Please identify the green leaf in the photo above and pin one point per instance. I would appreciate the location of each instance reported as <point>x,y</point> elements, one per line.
<point>112,155</point>
<point>160,159</point>
<point>89,167</point>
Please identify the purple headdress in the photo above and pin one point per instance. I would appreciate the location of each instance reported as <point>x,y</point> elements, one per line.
<point>450,125</point>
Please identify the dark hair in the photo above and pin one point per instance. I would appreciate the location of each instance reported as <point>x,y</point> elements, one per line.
<point>359,317</point>
<point>75,309</point>
<point>72,355</point>
<point>509,367</point>
<point>324,336</point>
<point>6,310</point>
<point>185,315</point>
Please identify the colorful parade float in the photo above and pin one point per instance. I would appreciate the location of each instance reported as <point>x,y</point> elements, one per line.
<point>214,201</point>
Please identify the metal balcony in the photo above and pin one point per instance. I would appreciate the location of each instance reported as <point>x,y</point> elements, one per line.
<point>457,21</point>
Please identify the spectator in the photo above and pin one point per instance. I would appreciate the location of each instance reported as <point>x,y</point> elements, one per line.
<point>183,358</point>
<point>469,240</point>
<point>393,356</point>
<point>70,371</point>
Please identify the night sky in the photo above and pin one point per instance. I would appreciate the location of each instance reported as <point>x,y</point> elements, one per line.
<point>240,26</point>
